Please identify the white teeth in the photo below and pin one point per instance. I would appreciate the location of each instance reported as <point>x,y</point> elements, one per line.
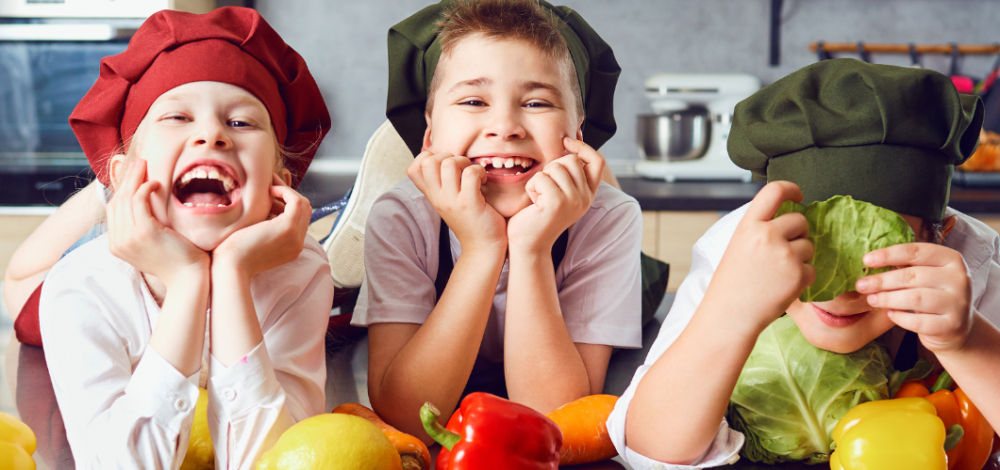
<point>483,162</point>
<point>201,204</point>
<point>189,204</point>
<point>508,163</point>
<point>518,173</point>
<point>201,174</point>
<point>213,175</point>
<point>222,205</point>
<point>497,162</point>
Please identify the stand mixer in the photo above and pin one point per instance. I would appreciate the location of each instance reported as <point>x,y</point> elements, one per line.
<point>686,137</point>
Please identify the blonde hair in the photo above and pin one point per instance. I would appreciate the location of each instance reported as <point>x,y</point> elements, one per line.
<point>517,20</point>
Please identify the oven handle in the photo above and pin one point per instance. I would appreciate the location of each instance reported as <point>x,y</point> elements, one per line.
<point>89,32</point>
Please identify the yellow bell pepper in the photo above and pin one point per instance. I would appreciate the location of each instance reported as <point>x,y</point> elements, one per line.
<point>890,434</point>
<point>17,443</point>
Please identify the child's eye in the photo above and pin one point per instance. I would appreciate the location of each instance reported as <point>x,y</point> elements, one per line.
<point>176,117</point>
<point>239,123</point>
<point>476,103</point>
<point>538,104</point>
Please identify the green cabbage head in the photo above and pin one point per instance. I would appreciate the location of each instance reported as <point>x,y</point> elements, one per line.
<point>843,230</point>
<point>791,394</point>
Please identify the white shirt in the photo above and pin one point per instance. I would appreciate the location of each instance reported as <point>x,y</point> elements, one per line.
<point>124,406</point>
<point>977,242</point>
<point>599,279</point>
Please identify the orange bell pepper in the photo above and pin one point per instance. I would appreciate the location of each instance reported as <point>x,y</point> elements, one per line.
<point>976,445</point>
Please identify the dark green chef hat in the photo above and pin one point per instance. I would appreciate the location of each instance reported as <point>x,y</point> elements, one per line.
<point>414,50</point>
<point>887,135</point>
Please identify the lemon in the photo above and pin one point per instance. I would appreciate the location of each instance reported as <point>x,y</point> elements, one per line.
<point>15,457</point>
<point>12,430</point>
<point>200,454</point>
<point>332,441</point>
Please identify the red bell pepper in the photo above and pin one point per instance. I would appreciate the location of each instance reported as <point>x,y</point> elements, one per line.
<point>490,432</point>
<point>975,448</point>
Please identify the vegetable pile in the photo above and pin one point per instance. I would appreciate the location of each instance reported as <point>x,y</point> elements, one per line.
<point>843,230</point>
<point>791,394</point>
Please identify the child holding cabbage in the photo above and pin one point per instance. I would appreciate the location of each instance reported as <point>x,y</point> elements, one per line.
<point>889,137</point>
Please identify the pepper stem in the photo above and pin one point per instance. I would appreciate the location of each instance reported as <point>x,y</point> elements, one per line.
<point>955,433</point>
<point>944,381</point>
<point>429,415</point>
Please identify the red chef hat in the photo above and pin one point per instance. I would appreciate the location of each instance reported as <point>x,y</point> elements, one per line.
<point>230,45</point>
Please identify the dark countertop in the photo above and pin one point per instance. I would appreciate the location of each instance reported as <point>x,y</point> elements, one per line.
<point>653,195</point>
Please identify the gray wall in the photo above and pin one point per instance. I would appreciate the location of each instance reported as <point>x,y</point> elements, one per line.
<point>344,44</point>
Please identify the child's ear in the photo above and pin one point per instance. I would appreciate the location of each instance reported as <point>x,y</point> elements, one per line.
<point>427,134</point>
<point>116,168</point>
<point>579,130</point>
<point>285,176</point>
<point>948,224</point>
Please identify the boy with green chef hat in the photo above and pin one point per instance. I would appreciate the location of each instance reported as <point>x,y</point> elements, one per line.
<point>502,264</point>
<point>887,136</point>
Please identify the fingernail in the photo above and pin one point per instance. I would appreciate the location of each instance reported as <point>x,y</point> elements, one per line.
<point>872,299</point>
<point>862,284</point>
<point>867,259</point>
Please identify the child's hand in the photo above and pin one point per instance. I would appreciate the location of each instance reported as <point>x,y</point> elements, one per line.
<point>560,194</point>
<point>271,243</point>
<point>135,236</point>
<point>766,265</point>
<point>453,186</point>
<point>929,293</point>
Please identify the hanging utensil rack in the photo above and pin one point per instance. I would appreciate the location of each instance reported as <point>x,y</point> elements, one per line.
<point>963,49</point>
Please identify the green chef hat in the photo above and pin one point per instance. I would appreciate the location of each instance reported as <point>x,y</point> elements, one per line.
<point>414,51</point>
<point>887,135</point>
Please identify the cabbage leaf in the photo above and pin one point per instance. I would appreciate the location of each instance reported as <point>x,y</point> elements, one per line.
<point>791,394</point>
<point>843,230</point>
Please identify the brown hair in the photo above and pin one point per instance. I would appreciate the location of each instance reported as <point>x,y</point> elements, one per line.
<point>516,20</point>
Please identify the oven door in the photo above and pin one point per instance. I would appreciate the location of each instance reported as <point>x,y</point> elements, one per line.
<point>44,75</point>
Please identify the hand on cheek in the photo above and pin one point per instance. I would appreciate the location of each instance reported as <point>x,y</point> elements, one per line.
<point>271,243</point>
<point>453,185</point>
<point>560,194</point>
<point>138,238</point>
<point>928,293</point>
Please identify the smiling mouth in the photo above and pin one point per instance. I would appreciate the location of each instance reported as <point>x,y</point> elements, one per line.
<point>207,186</point>
<point>505,166</point>
<point>838,320</point>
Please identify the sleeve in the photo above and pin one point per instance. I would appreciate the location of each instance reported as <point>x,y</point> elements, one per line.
<point>985,279</point>
<point>115,417</point>
<point>706,255</point>
<point>282,380</point>
<point>401,262</point>
<point>600,292</point>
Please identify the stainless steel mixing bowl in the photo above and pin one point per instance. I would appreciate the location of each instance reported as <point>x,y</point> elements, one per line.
<point>674,136</point>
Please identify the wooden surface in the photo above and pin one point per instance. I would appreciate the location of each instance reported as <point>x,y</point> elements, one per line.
<point>13,230</point>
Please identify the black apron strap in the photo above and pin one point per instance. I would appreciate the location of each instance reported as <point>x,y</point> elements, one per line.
<point>906,356</point>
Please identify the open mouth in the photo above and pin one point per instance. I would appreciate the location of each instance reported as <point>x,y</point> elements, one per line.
<point>207,185</point>
<point>506,167</point>
<point>836,319</point>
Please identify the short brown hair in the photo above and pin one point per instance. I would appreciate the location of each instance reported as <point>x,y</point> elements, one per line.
<point>520,20</point>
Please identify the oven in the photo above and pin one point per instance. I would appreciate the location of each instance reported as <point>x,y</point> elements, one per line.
<point>50,53</point>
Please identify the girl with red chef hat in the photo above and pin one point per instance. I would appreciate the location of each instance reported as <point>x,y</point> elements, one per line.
<point>201,129</point>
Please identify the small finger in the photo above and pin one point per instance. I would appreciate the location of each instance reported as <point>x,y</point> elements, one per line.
<point>904,278</point>
<point>920,299</point>
<point>767,201</point>
<point>923,323</point>
<point>911,254</point>
<point>803,249</point>
<point>451,174</point>
<point>592,159</point>
<point>560,175</point>
<point>544,186</point>
<point>792,225</point>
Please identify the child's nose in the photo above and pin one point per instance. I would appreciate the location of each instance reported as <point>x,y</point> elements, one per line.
<point>505,125</point>
<point>214,135</point>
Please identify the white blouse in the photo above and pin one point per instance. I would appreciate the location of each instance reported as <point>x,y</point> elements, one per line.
<point>977,242</point>
<point>124,406</point>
